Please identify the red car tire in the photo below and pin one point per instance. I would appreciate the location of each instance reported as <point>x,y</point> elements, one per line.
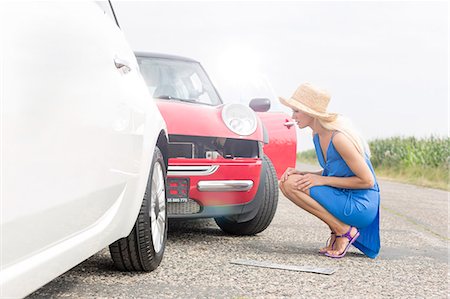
<point>266,211</point>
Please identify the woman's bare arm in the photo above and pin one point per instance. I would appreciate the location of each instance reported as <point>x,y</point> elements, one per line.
<point>290,171</point>
<point>363,178</point>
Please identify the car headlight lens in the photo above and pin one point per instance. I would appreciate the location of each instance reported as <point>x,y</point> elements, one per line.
<point>239,118</point>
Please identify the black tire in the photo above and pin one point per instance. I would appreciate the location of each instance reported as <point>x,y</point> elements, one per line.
<point>137,251</point>
<point>266,211</point>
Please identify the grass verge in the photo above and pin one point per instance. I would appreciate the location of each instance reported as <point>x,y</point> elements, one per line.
<point>423,176</point>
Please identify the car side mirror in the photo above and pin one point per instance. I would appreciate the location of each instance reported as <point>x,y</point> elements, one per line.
<point>260,104</point>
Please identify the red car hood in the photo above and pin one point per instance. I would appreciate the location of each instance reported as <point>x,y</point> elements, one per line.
<point>199,120</point>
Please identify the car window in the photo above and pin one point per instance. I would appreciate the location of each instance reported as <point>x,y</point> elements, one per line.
<point>178,80</point>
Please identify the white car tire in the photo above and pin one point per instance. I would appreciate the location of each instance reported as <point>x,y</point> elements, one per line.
<point>143,248</point>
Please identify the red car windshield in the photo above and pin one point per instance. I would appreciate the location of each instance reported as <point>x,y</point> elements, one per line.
<point>171,79</point>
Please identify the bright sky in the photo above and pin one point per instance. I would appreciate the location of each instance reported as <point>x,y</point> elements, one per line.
<point>385,63</point>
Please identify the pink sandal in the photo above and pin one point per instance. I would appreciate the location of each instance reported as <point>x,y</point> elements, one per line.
<point>351,240</point>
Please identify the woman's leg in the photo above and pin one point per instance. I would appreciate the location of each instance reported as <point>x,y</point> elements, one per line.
<point>306,202</point>
<point>285,189</point>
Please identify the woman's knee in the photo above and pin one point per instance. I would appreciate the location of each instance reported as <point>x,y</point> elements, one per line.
<point>291,183</point>
<point>291,189</point>
<point>288,187</point>
<point>283,188</point>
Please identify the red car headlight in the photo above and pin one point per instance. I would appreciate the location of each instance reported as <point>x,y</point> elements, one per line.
<point>239,119</point>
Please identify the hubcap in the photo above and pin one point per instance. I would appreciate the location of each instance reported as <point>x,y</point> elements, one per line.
<point>158,208</point>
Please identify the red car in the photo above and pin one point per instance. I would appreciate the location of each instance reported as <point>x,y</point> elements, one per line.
<point>224,159</point>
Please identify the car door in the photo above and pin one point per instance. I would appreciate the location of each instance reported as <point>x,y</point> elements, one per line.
<point>282,146</point>
<point>72,123</point>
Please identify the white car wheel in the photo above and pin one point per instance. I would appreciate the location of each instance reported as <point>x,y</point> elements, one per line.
<point>158,208</point>
<point>143,249</point>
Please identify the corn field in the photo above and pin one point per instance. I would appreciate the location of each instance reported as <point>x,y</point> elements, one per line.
<point>398,152</point>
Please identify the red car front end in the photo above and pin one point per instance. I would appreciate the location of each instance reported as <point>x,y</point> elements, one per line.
<point>218,165</point>
<point>209,176</point>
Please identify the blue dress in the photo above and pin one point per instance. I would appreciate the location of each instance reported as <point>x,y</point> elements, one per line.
<point>356,207</point>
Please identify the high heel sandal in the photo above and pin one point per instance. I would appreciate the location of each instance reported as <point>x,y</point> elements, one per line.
<point>351,240</point>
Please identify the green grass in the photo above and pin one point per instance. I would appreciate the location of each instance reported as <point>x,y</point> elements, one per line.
<point>308,156</point>
<point>423,162</point>
<point>427,177</point>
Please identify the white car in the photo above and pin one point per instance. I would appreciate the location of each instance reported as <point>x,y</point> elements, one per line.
<point>83,149</point>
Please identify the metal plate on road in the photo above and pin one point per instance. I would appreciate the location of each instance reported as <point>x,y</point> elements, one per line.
<point>326,271</point>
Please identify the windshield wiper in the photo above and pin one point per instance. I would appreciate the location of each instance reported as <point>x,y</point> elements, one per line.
<point>164,97</point>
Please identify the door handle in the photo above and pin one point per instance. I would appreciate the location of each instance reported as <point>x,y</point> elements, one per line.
<point>122,65</point>
<point>289,124</point>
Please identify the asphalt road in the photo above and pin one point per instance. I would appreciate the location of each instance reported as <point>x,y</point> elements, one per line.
<point>413,262</point>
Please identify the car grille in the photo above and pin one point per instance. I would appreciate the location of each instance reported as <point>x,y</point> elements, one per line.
<point>183,208</point>
<point>200,147</point>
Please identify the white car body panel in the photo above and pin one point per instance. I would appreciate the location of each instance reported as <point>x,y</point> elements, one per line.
<point>78,136</point>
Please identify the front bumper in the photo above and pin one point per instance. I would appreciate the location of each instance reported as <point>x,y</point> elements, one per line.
<point>217,187</point>
<point>225,185</point>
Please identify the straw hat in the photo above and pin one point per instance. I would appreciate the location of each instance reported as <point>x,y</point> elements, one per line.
<point>310,100</point>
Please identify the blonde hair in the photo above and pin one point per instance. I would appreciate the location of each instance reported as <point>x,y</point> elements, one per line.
<point>345,126</point>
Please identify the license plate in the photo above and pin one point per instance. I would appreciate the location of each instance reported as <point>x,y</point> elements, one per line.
<point>178,190</point>
<point>177,200</point>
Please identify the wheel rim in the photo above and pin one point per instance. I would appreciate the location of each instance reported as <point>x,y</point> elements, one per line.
<point>158,208</point>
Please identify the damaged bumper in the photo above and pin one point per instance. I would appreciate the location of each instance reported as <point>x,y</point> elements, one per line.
<point>211,187</point>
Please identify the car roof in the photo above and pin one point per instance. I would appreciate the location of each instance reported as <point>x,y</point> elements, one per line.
<point>163,56</point>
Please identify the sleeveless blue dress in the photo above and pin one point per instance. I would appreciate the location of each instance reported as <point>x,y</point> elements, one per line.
<point>356,207</point>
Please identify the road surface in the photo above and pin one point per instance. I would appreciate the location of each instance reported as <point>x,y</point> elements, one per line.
<point>413,261</point>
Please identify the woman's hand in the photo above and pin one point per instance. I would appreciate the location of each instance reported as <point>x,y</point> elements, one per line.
<point>289,171</point>
<point>308,180</point>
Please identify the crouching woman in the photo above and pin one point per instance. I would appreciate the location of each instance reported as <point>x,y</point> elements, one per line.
<point>345,194</point>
